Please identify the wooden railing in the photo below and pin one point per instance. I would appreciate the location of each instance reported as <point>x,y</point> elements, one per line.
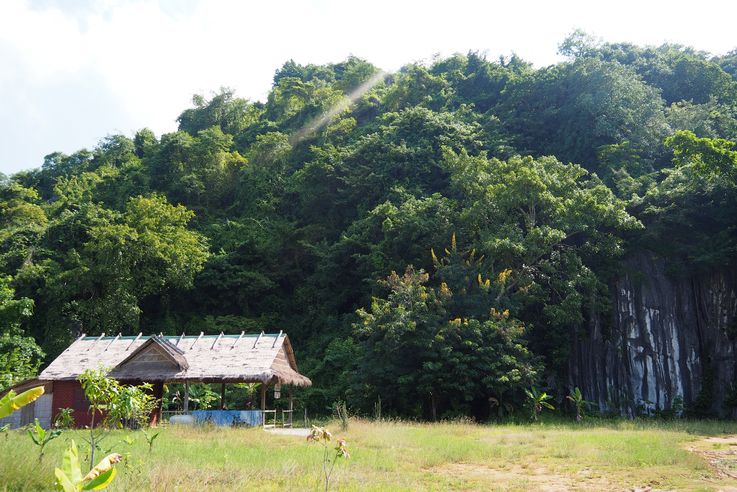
<point>265,419</point>
<point>287,414</point>
<point>167,414</point>
<point>270,418</point>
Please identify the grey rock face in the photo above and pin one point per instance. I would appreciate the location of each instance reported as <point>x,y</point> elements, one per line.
<point>669,340</point>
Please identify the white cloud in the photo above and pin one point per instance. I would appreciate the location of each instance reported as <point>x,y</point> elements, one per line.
<point>74,72</point>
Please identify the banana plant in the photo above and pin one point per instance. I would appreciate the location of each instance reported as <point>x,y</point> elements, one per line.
<point>538,401</point>
<point>12,401</point>
<point>41,437</point>
<point>576,397</point>
<point>69,477</point>
<point>503,408</point>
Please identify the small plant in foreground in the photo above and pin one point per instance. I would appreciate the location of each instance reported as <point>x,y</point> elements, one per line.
<point>41,437</point>
<point>115,403</point>
<point>150,438</point>
<point>323,436</point>
<point>538,401</point>
<point>69,477</point>
<point>576,397</point>
<point>64,418</point>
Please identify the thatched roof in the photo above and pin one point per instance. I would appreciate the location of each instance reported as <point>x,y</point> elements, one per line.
<point>265,358</point>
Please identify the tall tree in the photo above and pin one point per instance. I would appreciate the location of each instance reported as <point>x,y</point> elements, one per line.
<point>20,356</point>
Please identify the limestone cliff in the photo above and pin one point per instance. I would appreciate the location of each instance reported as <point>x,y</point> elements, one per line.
<point>669,338</point>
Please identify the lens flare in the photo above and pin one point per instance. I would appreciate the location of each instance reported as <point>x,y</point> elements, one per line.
<point>316,124</point>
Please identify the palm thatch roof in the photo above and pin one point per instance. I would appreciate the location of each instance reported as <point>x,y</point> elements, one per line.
<point>264,358</point>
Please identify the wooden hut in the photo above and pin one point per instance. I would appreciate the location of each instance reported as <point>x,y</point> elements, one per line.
<point>240,358</point>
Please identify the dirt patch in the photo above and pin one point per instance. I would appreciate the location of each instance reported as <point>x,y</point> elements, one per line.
<point>721,454</point>
<point>293,431</point>
<point>535,478</point>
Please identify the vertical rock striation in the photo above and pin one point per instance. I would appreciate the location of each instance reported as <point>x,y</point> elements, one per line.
<point>670,339</point>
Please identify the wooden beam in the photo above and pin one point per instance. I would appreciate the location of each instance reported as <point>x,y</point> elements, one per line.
<point>197,340</point>
<point>185,405</point>
<point>95,342</point>
<point>222,396</point>
<point>216,341</point>
<point>134,341</point>
<point>291,406</point>
<point>158,393</point>
<point>277,338</point>
<point>257,339</point>
<point>237,340</point>
<point>112,341</point>
<point>263,403</point>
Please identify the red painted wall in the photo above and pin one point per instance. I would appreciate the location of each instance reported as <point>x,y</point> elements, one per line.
<point>69,394</point>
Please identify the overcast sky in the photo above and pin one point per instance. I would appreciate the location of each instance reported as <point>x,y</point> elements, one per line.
<point>74,71</point>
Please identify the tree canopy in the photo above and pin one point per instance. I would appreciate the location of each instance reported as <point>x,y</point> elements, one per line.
<point>432,237</point>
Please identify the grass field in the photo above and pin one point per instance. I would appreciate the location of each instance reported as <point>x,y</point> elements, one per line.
<point>599,455</point>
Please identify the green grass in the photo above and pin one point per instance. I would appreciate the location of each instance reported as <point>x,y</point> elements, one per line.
<point>601,454</point>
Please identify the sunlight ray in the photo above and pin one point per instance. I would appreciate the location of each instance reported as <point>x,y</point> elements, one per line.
<point>341,106</point>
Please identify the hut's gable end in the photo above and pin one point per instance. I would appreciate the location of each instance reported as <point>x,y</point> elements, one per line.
<point>156,358</point>
<point>151,355</point>
<point>149,359</point>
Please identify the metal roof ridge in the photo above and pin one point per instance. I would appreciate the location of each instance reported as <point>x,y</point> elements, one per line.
<point>90,338</point>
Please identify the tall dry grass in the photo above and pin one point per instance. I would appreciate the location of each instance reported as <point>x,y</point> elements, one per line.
<point>395,455</point>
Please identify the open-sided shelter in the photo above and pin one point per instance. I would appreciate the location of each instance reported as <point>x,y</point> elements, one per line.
<point>240,358</point>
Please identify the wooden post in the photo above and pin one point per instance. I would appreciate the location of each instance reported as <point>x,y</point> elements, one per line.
<point>158,393</point>
<point>222,396</point>
<point>291,406</point>
<point>263,403</point>
<point>185,406</point>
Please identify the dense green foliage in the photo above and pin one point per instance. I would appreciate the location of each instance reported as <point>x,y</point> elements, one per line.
<point>296,214</point>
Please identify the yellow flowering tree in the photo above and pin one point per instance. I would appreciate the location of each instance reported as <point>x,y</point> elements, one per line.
<point>424,358</point>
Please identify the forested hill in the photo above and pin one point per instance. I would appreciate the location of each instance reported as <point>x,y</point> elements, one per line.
<point>431,236</point>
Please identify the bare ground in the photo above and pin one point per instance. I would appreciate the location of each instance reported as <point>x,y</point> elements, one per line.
<point>533,478</point>
<point>721,454</point>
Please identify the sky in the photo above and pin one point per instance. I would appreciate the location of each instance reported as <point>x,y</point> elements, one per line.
<point>74,71</point>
